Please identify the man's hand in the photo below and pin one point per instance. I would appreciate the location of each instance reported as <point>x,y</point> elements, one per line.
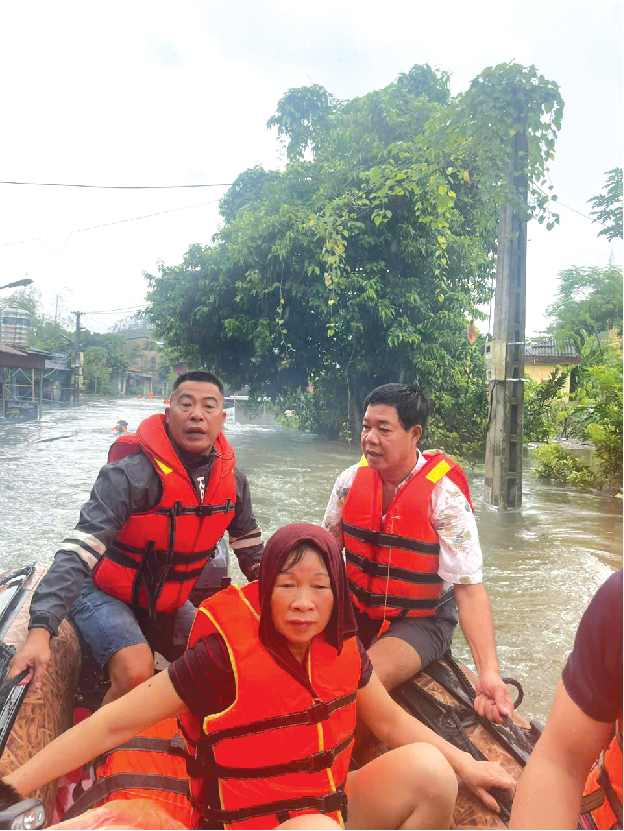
<point>34,655</point>
<point>493,700</point>
<point>481,776</point>
<point>475,617</point>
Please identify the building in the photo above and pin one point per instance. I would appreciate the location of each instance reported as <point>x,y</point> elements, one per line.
<point>30,378</point>
<point>147,370</point>
<point>543,355</point>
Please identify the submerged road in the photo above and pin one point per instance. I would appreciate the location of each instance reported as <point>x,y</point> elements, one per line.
<point>542,564</point>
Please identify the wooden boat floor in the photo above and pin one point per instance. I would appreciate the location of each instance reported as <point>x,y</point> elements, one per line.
<point>469,812</point>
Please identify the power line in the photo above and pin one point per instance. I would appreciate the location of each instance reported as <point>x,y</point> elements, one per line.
<point>115,311</point>
<point>557,202</point>
<point>107,224</point>
<point>119,187</point>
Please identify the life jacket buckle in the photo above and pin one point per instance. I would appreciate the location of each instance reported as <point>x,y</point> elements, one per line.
<point>320,761</point>
<point>176,508</point>
<point>318,712</point>
<point>204,510</point>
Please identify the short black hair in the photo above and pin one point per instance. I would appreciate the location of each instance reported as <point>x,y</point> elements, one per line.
<point>410,403</point>
<point>197,375</point>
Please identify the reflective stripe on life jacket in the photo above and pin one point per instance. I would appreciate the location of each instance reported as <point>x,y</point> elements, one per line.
<point>602,795</point>
<point>280,749</point>
<point>157,556</point>
<point>152,765</point>
<point>392,561</point>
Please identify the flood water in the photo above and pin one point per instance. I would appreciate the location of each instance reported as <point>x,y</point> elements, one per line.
<point>542,564</point>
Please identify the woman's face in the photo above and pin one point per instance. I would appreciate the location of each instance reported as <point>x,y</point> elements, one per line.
<point>302,602</point>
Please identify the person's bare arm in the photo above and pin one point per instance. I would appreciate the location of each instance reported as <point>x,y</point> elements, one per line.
<point>550,789</point>
<point>395,727</point>
<point>475,618</point>
<point>109,727</point>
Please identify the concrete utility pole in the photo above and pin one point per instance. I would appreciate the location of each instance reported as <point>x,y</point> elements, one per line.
<point>504,355</point>
<point>79,365</point>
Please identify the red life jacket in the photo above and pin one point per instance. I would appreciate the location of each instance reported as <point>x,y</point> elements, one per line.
<point>278,750</point>
<point>151,766</point>
<point>602,796</point>
<point>157,556</point>
<point>392,561</point>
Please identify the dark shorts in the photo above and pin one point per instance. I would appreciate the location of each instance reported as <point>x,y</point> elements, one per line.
<point>429,636</point>
<point>108,625</point>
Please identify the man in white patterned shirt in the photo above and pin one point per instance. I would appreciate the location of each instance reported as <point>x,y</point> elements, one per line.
<point>412,551</point>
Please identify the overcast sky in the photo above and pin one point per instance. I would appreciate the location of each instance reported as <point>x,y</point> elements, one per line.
<point>151,93</point>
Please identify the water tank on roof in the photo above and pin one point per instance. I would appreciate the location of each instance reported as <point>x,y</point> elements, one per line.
<point>15,328</point>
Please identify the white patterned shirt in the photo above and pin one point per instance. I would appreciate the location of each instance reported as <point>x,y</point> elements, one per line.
<point>461,560</point>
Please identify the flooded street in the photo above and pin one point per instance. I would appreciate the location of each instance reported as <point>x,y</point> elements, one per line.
<point>542,565</point>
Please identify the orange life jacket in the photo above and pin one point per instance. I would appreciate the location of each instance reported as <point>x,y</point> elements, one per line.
<point>280,749</point>
<point>157,556</point>
<point>392,561</point>
<point>152,765</point>
<point>602,796</point>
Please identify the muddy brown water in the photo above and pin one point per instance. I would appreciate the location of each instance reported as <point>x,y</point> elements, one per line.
<point>542,564</point>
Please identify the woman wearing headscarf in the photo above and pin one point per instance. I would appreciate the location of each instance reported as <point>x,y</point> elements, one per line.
<point>267,696</point>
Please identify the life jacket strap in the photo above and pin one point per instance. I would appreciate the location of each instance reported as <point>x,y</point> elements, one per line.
<point>108,785</point>
<point>314,763</point>
<point>328,804</point>
<point>604,781</point>
<point>381,540</point>
<point>148,744</point>
<point>177,509</point>
<point>374,569</point>
<point>116,553</point>
<point>314,714</point>
<point>373,601</point>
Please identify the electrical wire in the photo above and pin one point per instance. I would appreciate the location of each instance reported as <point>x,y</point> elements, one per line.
<point>119,187</point>
<point>310,175</point>
<point>107,224</point>
<point>114,311</point>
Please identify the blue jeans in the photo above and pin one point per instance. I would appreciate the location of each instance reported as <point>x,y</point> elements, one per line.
<point>108,625</point>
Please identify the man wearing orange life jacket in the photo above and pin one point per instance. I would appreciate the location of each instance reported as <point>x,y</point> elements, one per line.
<point>155,515</point>
<point>406,523</point>
<point>576,766</point>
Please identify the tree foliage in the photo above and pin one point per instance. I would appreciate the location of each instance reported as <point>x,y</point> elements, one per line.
<point>607,206</point>
<point>360,262</point>
<point>588,302</point>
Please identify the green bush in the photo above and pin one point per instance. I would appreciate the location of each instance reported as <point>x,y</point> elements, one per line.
<point>558,465</point>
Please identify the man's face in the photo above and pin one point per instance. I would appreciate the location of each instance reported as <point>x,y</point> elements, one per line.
<point>387,447</point>
<point>196,416</point>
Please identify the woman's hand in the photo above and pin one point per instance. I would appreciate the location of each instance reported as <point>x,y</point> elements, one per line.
<point>481,776</point>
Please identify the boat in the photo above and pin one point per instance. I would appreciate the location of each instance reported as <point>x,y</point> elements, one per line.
<point>29,719</point>
<point>442,697</point>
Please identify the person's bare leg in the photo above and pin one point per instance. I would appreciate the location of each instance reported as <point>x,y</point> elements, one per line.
<point>311,822</point>
<point>394,661</point>
<point>410,787</point>
<point>127,669</point>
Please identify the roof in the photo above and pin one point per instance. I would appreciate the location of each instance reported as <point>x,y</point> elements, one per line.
<point>549,348</point>
<point>10,350</point>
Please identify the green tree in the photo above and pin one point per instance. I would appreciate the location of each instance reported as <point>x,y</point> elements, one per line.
<point>538,423</point>
<point>95,370</point>
<point>363,260</point>
<point>113,344</point>
<point>588,302</point>
<point>607,206</point>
